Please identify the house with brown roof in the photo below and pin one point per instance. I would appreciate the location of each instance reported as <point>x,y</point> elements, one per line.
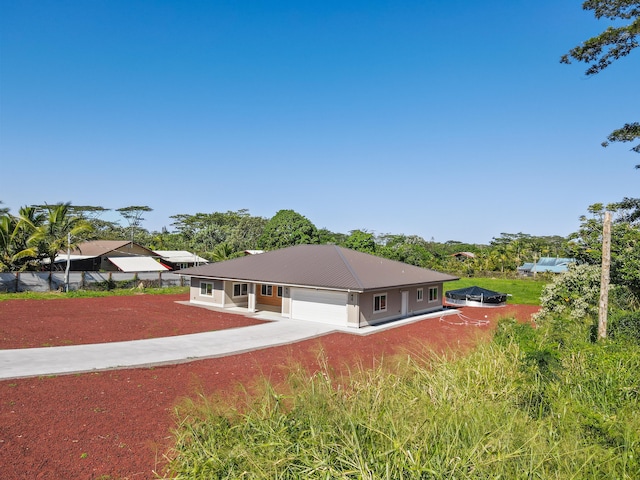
<point>110,256</point>
<point>324,283</point>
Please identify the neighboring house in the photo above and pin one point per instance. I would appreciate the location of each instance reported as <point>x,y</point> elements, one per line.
<point>178,259</point>
<point>463,255</point>
<point>110,256</point>
<point>324,283</point>
<point>546,265</point>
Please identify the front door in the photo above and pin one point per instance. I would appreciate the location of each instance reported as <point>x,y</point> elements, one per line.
<point>405,303</point>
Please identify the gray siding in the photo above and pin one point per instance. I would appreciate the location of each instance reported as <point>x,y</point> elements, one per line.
<point>230,300</point>
<point>196,296</point>
<point>394,304</point>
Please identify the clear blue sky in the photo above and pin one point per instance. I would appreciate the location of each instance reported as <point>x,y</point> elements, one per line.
<point>449,120</point>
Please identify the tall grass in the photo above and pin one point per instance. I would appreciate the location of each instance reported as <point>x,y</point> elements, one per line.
<point>495,413</point>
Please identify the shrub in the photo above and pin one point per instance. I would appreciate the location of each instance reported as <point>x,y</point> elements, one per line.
<point>573,294</point>
<point>625,326</point>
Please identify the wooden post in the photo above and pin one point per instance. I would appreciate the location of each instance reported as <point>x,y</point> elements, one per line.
<point>604,279</point>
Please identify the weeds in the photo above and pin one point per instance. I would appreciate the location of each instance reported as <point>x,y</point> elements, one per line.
<point>515,408</point>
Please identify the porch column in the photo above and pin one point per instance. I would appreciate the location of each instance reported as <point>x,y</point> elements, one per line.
<point>251,306</point>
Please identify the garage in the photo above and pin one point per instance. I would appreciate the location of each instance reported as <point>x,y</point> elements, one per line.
<point>319,305</point>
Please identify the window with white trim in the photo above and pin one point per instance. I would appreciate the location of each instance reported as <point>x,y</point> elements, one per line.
<point>380,303</point>
<point>280,291</point>
<point>266,290</point>
<point>420,295</point>
<point>433,294</point>
<point>206,289</point>
<point>240,289</point>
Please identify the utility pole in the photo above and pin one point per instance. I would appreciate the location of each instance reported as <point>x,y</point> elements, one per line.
<point>66,271</point>
<point>604,279</point>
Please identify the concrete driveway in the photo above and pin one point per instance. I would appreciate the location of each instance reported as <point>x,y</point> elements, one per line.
<point>34,362</point>
<point>31,362</point>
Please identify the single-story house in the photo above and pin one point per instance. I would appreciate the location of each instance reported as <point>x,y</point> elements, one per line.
<point>324,283</point>
<point>178,259</point>
<point>546,265</point>
<point>110,256</point>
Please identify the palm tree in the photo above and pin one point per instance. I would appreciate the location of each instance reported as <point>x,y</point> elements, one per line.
<point>59,231</point>
<point>221,252</point>
<point>8,245</point>
<point>15,253</point>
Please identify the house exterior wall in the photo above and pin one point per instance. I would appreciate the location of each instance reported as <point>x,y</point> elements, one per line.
<point>230,300</point>
<point>271,300</point>
<point>84,265</point>
<point>124,251</point>
<point>359,306</point>
<point>215,299</point>
<point>367,316</point>
<point>353,310</point>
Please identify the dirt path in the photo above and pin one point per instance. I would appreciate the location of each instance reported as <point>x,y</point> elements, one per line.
<point>117,424</point>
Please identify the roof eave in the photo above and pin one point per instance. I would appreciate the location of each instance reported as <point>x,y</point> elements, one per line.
<point>318,287</point>
<point>265,282</point>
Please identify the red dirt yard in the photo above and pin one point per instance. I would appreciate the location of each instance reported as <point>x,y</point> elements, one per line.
<point>117,424</point>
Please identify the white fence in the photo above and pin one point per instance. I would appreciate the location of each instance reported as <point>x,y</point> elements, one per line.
<point>50,281</point>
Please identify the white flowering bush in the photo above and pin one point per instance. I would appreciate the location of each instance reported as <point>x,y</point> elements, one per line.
<point>574,294</point>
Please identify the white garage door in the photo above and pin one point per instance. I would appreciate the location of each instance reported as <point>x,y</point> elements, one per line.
<point>319,305</point>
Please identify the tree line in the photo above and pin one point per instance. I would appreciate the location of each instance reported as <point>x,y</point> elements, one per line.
<point>39,232</point>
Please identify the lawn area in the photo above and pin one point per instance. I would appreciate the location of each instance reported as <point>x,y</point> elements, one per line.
<point>523,291</point>
<point>121,292</point>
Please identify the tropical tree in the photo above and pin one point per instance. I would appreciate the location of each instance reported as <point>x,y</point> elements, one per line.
<point>411,249</point>
<point>59,231</point>
<point>607,47</point>
<point>15,254</point>
<point>203,231</point>
<point>361,241</point>
<point>246,233</point>
<point>287,228</point>
<point>221,252</point>
<point>326,236</point>
<point>133,215</point>
<point>625,242</point>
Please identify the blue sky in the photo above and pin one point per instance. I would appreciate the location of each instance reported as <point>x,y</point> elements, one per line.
<point>449,120</point>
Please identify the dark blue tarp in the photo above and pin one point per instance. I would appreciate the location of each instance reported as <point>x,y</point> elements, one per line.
<point>477,294</point>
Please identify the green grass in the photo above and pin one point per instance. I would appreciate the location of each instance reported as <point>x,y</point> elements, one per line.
<point>91,293</point>
<point>523,291</point>
<point>491,414</point>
